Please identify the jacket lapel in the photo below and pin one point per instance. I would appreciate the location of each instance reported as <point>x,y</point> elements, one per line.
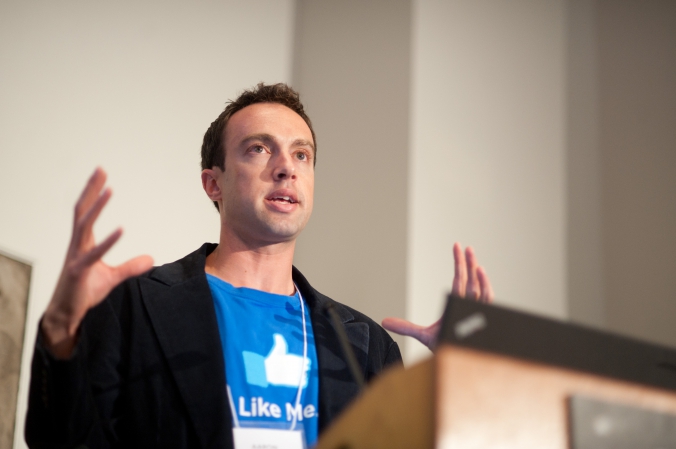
<point>337,387</point>
<point>181,310</point>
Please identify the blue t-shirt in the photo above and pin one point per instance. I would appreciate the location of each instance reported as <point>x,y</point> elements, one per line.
<point>262,339</point>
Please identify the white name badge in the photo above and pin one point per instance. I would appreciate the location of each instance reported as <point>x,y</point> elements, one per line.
<point>257,438</point>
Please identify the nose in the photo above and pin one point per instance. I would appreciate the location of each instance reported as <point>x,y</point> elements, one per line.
<point>284,168</point>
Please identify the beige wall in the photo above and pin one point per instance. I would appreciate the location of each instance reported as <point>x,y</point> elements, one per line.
<point>586,279</point>
<point>621,165</point>
<point>131,86</point>
<point>637,140</point>
<point>487,157</point>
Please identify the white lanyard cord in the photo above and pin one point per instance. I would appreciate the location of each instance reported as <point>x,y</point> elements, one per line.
<point>233,410</point>
<point>298,408</point>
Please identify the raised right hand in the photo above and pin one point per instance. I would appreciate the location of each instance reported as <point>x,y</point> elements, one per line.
<point>85,279</point>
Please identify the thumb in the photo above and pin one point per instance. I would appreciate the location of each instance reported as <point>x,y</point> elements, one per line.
<point>402,327</point>
<point>279,348</point>
<point>425,335</point>
<point>133,267</point>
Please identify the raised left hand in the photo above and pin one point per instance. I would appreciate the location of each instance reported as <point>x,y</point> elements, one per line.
<point>469,281</point>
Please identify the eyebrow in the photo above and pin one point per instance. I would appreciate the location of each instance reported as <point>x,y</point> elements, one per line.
<point>303,143</point>
<point>267,138</point>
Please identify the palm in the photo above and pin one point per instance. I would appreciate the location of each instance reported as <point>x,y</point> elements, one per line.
<point>100,279</point>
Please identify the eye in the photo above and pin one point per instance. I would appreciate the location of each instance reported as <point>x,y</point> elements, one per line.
<point>301,156</point>
<point>260,149</point>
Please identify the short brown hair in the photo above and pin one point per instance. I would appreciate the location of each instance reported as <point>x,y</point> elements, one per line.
<point>213,146</point>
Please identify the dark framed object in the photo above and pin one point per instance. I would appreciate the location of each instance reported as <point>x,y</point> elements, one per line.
<point>501,330</point>
<point>15,278</point>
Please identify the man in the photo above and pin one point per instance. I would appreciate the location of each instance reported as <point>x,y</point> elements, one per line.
<point>129,356</point>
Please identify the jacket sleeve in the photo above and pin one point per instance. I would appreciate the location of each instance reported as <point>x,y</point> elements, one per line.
<point>68,404</point>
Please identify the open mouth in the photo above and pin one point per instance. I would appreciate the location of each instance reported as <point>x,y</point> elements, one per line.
<point>283,199</point>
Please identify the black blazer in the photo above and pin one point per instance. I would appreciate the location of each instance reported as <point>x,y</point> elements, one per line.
<point>148,370</point>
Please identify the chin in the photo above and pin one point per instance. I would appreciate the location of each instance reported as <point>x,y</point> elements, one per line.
<point>284,231</point>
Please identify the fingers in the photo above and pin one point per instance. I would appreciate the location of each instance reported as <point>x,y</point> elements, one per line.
<point>90,193</point>
<point>460,276</point>
<point>87,210</point>
<point>133,267</point>
<point>487,294</point>
<point>82,232</point>
<point>470,280</point>
<point>96,253</point>
<point>473,290</point>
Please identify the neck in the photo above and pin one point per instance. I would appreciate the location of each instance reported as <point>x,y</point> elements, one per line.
<point>261,267</point>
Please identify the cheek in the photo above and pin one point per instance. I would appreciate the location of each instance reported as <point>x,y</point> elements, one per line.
<point>239,183</point>
<point>235,191</point>
<point>310,194</point>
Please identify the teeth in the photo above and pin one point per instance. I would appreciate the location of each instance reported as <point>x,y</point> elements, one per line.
<point>284,198</point>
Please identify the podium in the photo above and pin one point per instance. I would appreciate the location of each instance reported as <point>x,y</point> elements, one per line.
<point>506,379</point>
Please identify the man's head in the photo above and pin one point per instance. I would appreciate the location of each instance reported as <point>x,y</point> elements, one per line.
<point>263,183</point>
<point>213,145</point>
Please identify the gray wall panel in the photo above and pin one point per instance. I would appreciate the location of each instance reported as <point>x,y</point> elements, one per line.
<point>351,65</point>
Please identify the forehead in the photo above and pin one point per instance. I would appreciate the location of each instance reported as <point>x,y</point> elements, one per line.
<point>266,118</point>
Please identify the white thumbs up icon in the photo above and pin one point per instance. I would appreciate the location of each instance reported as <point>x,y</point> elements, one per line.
<point>281,368</point>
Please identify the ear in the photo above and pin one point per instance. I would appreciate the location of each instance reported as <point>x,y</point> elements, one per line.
<point>210,177</point>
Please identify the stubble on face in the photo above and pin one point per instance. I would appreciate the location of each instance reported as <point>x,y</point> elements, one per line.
<point>265,146</point>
